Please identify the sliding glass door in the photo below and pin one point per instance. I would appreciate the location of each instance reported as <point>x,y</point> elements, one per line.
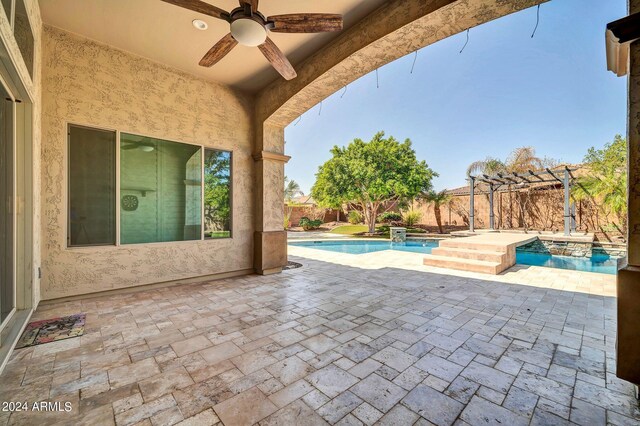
<point>7,206</point>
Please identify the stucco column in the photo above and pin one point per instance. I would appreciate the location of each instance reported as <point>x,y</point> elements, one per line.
<point>270,238</point>
<point>628,343</point>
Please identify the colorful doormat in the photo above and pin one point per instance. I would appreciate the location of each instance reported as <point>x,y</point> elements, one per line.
<point>50,330</point>
<point>291,265</point>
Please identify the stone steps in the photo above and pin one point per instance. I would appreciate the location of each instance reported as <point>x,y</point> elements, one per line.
<point>462,264</point>
<point>466,253</point>
<point>466,243</point>
<point>488,253</point>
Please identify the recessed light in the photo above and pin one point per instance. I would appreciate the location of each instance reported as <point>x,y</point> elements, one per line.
<point>200,25</point>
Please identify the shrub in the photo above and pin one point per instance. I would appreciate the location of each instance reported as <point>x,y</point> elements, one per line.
<point>411,217</point>
<point>308,224</point>
<point>387,217</point>
<point>384,229</point>
<point>354,217</point>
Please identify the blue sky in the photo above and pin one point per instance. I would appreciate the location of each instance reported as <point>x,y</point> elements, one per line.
<point>505,90</point>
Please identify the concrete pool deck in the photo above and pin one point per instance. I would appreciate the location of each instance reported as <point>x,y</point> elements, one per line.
<point>537,276</point>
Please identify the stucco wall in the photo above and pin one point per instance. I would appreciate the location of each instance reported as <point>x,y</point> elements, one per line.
<point>88,83</point>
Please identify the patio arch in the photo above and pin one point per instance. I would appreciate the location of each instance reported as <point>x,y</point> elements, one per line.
<point>397,28</point>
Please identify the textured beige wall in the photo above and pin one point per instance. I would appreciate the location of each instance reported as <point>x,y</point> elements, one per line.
<point>87,83</point>
<point>634,146</point>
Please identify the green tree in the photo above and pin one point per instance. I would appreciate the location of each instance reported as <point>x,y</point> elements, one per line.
<point>291,189</point>
<point>437,199</point>
<point>605,182</point>
<point>217,190</point>
<point>371,174</point>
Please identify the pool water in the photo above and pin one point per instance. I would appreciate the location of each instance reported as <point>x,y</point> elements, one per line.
<point>599,263</point>
<point>368,246</point>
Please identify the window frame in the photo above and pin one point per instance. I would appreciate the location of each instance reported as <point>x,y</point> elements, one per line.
<point>118,195</point>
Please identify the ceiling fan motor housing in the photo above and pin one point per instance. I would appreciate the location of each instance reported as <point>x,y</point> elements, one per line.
<point>248,28</point>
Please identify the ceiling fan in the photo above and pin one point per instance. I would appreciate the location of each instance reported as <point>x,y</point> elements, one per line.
<point>250,28</point>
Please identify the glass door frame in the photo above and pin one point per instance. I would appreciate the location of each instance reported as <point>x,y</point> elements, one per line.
<point>14,205</point>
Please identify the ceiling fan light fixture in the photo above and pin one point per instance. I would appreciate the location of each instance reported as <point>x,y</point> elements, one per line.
<point>145,148</point>
<point>248,32</point>
<point>200,24</point>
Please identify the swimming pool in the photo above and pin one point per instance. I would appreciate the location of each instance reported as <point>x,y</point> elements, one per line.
<point>599,263</point>
<point>368,246</point>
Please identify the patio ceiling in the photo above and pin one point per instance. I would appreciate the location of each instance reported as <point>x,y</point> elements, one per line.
<point>164,33</point>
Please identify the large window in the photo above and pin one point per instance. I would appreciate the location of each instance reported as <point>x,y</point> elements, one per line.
<point>92,187</point>
<point>161,196</point>
<point>160,190</point>
<point>217,194</point>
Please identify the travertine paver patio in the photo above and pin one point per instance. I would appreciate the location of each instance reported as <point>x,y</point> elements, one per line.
<point>387,343</point>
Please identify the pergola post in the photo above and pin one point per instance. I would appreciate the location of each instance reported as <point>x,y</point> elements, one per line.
<point>491,217</point>
<point>573,217</point>
<point>567,208</point>
<point>472,185</point>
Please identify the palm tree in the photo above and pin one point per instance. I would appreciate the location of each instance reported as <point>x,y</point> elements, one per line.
<point>291,189</point>
<point>488,166</point>
<point>438,199</point>
<point>520,160</point>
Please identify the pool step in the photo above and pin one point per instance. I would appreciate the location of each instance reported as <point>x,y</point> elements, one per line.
<point>490,253</point>
<point>463,264</point>
<point>465,253</point>
<point>466,243</point>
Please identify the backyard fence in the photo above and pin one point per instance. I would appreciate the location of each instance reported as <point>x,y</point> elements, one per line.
<point>541,210</point>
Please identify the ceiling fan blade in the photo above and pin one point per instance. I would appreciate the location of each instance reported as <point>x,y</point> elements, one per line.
<point>277,59</point>
<point>306,23</point>
<point>252,3</point>
<point>201,7</point>
<point>218,51</point>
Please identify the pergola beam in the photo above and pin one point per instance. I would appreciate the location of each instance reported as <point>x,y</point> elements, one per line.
<point>556,177</point>
<point>535,175</point>
<point>521,177</point>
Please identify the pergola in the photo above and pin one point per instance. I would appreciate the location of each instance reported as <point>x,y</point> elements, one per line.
<point>523,180</point>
